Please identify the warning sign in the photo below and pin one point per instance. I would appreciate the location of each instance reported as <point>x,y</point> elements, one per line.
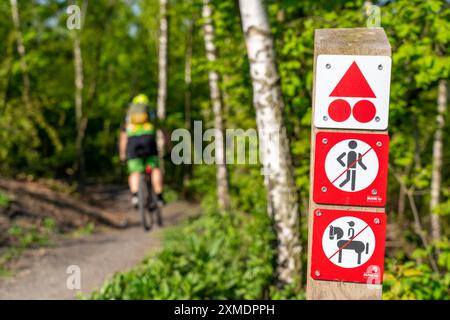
<point>348,246</point>
<point>352,92</point>
<point>351,168</point>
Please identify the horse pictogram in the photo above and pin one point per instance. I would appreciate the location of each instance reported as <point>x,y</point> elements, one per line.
<point>358,246</point>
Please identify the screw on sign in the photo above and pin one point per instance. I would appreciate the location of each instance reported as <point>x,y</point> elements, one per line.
<point>352,92</point>
<point>346,243</point>
<point>351,168</point>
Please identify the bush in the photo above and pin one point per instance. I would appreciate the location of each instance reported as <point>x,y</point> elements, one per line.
<point>415,279</point>
<point>213,257</point>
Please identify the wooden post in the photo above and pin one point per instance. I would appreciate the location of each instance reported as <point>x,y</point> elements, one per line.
<point>357,41</point>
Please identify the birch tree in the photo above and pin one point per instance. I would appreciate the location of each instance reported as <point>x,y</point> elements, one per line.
<point>273,140</point>
<point>85,106</point>
<point>21,51</point>
<point>216,99</point>
<point>26,91</point>
<point>188,91</point>
<point>79,87</point>
<point>436,177</point>
<point>162,74</point>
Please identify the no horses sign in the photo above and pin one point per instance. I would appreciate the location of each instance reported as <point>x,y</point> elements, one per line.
<point>348,246</point>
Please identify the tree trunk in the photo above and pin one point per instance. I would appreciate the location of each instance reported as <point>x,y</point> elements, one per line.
<point>216,99</point>
<point>416,136</point>
<point>437,160</point>
<point>90,96</point>
<point>401,205</point>
<point>26,94</point>
<point>21,51</point>
<point>188,75</point>
<point>79,85</point>
<point>5,70</point>
<point>187,168</point>
<point>162,67</point>
<point>80,121</point>
<point>273,139</point>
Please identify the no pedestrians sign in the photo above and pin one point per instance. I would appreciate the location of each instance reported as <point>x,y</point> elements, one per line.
<point>351,168</point>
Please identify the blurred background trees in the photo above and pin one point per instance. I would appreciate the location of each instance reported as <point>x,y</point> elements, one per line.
<point>48,111</point>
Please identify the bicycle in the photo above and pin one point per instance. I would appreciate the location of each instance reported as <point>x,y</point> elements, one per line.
<point>148,206</point>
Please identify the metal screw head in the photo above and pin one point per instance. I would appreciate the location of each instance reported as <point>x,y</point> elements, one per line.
<point>379,144</point>
<point>324,140</point>
<point>324,189</point>
<point>317,273</point>
<point>318,213</point>
<point>377,119</point>
<point>325,118</point>
<point>374,191</point>
<point>380,67</point>
<point>328,66</point>
<point>376,220</point>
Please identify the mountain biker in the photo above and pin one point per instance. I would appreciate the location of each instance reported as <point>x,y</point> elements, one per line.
<point>137,145</point>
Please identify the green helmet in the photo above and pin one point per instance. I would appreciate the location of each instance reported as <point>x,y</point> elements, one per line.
<point>141,99</point>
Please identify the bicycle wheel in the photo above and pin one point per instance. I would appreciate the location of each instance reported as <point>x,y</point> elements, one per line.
<point>158,213</point>
<point>146,218</point>
<point>154,207</point>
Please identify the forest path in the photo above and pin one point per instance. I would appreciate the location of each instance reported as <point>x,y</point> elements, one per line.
<point>42,273</point>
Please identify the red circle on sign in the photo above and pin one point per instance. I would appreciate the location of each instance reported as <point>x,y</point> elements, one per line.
<point>339,110</point>
<point>364,111</point>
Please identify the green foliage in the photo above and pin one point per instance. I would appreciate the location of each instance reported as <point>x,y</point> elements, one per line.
<point>119,49</point>
<point>26,237</point>
<point>415,279</point>
<point>85,230</point>
<point>4,200</point>
<point>213,257</point>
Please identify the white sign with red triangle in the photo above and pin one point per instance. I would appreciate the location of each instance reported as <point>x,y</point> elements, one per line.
<point>352,92</point>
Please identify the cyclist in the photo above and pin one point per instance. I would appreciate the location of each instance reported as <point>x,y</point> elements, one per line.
<point>137,145</point>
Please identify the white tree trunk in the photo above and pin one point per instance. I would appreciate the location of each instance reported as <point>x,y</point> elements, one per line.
<point>273,140</point>
<point>79,85</point>
<point>79,78</point>
<point>79,164</point>
<point>216,99</point>
<point>437,160</point>
<point>187,170</point>
<point>26,94</point>
<point>162,74</point>
<point>188,74</point>
<point>21,51</point>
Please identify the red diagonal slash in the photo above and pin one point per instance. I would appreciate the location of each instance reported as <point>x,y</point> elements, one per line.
<point>348,242</point>
<point>351,165</point>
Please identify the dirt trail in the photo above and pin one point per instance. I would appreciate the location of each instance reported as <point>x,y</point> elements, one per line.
<point>41,273</point>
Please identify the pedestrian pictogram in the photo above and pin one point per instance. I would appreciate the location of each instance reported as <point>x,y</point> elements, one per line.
<point>350,168</point>
<point>345,243</point>
<point>352,92</point>
<point>343,169</point>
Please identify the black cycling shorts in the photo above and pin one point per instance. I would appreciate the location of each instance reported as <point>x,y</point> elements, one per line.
<point>141,146</point>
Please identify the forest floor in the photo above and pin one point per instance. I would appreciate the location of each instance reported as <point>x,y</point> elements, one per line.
<point>117,243</point>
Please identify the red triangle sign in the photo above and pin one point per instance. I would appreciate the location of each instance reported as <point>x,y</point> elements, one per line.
<point>353,84</point>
